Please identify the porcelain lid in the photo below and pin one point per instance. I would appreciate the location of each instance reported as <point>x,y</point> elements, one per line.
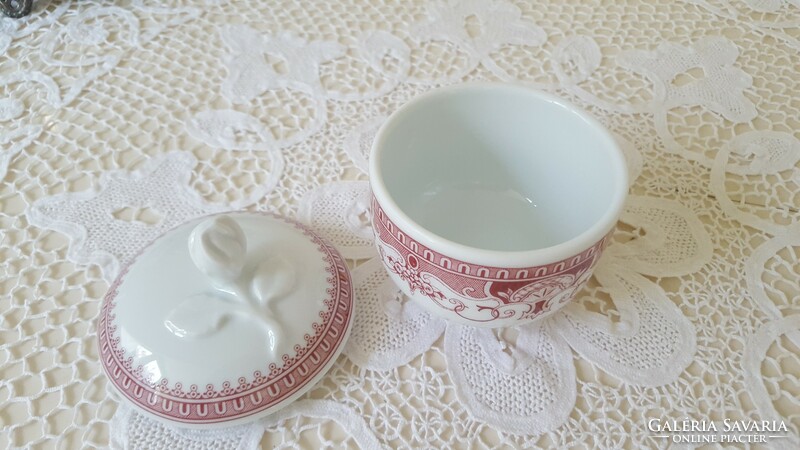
<point>226,319</point>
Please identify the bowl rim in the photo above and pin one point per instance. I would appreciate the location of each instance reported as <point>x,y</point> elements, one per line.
<point>499,258</point>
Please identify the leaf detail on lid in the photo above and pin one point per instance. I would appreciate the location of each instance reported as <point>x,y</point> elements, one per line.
<point>218,247</point>
<point>198,316</point>
<point>273,278</point>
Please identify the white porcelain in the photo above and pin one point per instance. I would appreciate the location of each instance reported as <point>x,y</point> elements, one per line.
<point>225,320</point>
<point>493,202</point>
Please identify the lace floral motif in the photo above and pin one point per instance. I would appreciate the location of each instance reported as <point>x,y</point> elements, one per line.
<point>249,74</point>
<point>160,186</point>
<point>715,84</point>
<point>778,18</point>
<point>73,51</point>
<point>479,27</point>
<point>642,337</point>
<point>295,71</point>
<point>95,40</point>
<point>576,58</point>
<point>340,212</point>
<point>523,387</point>
<point>742,179</point>
<point>720,87</point>
<point>289,427</point>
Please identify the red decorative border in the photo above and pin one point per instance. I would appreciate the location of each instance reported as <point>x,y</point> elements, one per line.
<point>245,397</point>
<point>491,292</point>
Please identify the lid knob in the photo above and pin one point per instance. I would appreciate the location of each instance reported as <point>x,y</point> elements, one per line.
<point>225,319</point>
<point>218,247</point>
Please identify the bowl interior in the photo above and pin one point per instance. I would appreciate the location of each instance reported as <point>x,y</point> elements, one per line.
<point>499,168</point>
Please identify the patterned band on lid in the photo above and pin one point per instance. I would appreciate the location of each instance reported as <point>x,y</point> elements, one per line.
<point>247,395</point>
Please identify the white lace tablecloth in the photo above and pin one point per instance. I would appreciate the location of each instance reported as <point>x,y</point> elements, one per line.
<point>119,120</point>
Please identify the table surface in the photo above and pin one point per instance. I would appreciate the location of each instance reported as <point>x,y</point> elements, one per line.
<point>120,120</point>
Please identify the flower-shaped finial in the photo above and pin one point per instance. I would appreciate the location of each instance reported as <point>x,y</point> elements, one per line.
<point>218,248</point>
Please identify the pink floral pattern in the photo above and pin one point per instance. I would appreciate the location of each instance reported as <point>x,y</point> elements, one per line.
<point>412,276</point>
<point>478,293</point>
